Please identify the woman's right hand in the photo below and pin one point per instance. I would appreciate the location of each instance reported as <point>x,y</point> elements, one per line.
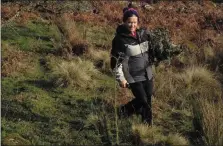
<point>123,84</point>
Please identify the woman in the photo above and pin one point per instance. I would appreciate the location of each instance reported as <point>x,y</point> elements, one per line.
<point>131,64</point>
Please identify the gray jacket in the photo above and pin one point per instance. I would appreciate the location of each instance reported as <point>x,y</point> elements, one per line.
<point>130,56</point>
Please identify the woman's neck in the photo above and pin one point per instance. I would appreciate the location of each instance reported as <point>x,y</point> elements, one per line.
<point>133,33</point>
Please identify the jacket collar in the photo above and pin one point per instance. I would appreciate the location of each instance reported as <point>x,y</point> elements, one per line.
<point>122,30</point>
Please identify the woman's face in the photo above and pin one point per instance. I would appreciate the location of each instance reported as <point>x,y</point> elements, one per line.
<point>132,23</point>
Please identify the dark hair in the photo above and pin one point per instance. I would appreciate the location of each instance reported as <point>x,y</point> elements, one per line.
<point>129,12</point>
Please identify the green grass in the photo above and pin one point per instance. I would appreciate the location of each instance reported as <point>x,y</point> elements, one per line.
<point>98,36</point>
<point>18,63</point>
<point>45,100</point>
<point>45,114</point>
<point>57,115</point>
<point>35,36</point>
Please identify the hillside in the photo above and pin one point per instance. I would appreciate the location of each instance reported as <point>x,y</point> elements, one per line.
<point>57,87</point>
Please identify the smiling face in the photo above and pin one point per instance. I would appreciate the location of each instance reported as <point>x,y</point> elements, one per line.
<point>132,23</point>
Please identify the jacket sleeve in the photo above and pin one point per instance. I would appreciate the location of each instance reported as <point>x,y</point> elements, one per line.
<point>117,57</point>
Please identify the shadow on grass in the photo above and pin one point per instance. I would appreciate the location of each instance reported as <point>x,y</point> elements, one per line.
<point>15,111</point>
<point>43,84</point>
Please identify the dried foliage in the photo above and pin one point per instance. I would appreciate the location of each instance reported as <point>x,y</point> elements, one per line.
<point>15,62</point>
<point>7,12</point>
<point>104,13</point>
<point>73,42</point>
<point>26,16</point>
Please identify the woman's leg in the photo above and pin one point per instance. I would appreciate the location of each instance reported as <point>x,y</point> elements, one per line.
<point>138,90</point>
<point>131,107</point>
<point>148,87</point>
<point>134,105</point>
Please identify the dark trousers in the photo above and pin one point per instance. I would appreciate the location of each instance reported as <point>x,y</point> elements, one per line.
<point>143,100</point>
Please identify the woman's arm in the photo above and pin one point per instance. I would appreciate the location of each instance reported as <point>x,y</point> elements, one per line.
<point>117,57</point>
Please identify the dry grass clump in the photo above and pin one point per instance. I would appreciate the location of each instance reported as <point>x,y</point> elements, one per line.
<point>165,84</point>
<point>69,27</point>
<point>76,72</point>
<point>154,136</point>
<point>16,62</point>
<point>208,119</point>
<point>196,87</point>
<point>176,88</point>
<point>101,58</point>
<point>198,80</point>
<point>196,75</point>
<point>147,134</point>
<point>176,139</point>
<point>74,42</point>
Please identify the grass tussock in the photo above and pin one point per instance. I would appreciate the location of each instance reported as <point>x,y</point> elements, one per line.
<point>193,76</point>
<point>154,136</point>
<point>201,81</point>
<point>70,28</point>
<point>75,44</point>
<point>195,87</point>
<point>147,134</point>
<point>176,139</point>
<point>177,87</point>
<point>166,86</point>
<point>77,72</point>
<point>101,59</point>
<point>208,119</point>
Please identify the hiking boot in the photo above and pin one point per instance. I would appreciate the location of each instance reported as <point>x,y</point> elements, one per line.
<point>121,112</point>
<point>148,122</point>
<point>139,111</point>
